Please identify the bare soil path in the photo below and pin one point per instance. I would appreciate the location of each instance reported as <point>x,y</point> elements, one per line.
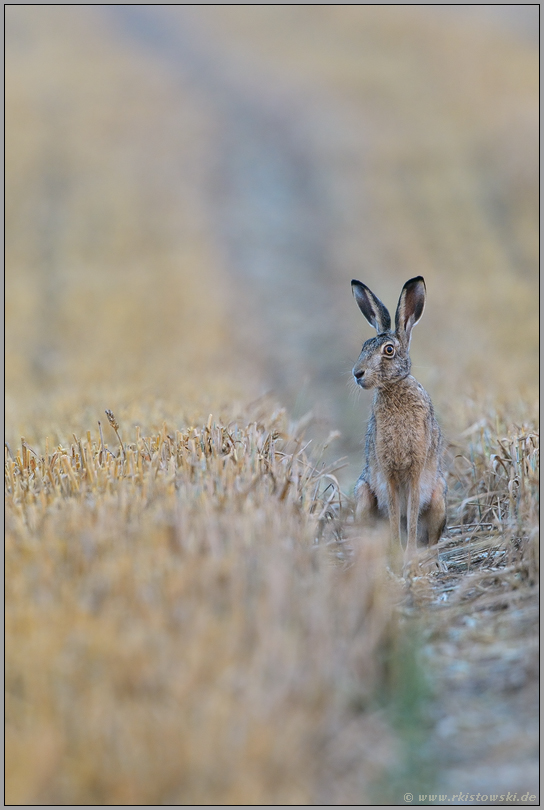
<point>269,203</point>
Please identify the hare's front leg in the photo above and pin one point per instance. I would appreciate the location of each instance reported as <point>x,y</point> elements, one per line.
<point>412,518</point>
<point>394,513</point>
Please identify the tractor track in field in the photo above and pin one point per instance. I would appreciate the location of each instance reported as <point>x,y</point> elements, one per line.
<point>270,211</point>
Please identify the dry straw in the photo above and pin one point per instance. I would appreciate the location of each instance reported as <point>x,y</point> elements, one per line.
<point>194,617</point>
<point>184,624</point>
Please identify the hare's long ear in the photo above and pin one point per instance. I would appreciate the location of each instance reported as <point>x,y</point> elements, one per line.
<point>371,307</point>
<point>410,307</point>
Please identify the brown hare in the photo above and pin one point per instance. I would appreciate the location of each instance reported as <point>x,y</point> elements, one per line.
<point>402,477</point>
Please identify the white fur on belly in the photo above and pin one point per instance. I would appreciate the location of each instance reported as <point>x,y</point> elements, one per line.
<point>426,487</point>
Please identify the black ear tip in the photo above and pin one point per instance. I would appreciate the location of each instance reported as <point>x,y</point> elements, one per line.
<point>355,283</point>
<point>415,280</point>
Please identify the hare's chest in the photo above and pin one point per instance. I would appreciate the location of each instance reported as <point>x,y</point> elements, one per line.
<point>401,442</point>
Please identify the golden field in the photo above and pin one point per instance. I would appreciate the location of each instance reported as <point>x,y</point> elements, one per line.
<point>192,614</point>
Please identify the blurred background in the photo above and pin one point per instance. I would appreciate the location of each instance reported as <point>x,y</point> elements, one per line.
<point>190,189</point>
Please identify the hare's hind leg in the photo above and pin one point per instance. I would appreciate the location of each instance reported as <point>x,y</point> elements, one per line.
<point>434,516</point>
<point>367,504</point>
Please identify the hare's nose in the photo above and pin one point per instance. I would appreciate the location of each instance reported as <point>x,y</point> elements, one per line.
<point>359,374</point>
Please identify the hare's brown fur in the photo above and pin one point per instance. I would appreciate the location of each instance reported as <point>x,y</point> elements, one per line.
<point>402,478</point>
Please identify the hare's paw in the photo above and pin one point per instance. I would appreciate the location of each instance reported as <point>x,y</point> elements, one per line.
<point>411,566</point>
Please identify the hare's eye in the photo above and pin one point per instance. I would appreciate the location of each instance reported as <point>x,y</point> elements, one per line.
<point>389,350</point>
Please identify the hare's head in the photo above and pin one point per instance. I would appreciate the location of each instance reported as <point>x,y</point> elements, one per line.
<point>385,359</point>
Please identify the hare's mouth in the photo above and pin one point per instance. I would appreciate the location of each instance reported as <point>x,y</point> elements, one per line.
<point>362,379</point>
